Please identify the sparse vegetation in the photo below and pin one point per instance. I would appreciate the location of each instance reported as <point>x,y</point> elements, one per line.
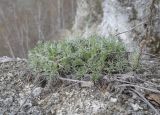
<point>94,55</point>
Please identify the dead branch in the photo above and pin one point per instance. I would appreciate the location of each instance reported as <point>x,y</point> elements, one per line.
<point>150,54</point>
<point>131,85</point>
<point>82,83</point>
<point>146,101</point>
<point>72,80</point>
<point>148,82</point>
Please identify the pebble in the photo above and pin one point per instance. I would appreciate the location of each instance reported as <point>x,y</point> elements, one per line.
<point>136,107</point>
<point>113,100</point>
<point>37,91</point>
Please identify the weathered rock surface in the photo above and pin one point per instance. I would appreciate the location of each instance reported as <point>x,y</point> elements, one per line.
<point>122,15</point>
<point>139,20</point>
<point>18,94</point>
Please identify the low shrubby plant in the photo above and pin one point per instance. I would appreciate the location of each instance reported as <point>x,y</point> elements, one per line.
<point>94,55</point>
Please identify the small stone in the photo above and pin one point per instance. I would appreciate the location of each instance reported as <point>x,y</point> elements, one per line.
<point>53,111</point>
<point>10,74</point>
<point>106,93</point>
<point>54,99</point>
<point>35,111</point>
<point>8,101</point>
<point>37,91</point>
<point>87,84</point>
<point>135,107</point>
<point>114,100</point>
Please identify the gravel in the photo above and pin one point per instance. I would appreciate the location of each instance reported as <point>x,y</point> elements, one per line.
<point>17,82</point>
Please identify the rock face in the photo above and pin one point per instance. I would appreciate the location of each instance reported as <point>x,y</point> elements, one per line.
<point>122,15</point>
<point>140,19</point>
<point>88,16</point>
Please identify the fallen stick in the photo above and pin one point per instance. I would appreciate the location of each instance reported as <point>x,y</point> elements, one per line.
<point>83,83</point>
<point>148,82</point>
<point>72,80</point>
<point>146,101</point>
<point>152,90</point>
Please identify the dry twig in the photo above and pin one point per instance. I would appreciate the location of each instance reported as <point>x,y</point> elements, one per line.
<point>131,85</point>
<point>148,82</point>
<point>72,80</point>
<point>146,101</point>
<point>131,28</point>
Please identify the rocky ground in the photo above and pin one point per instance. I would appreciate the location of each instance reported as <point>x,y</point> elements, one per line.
<point>22,92</point>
